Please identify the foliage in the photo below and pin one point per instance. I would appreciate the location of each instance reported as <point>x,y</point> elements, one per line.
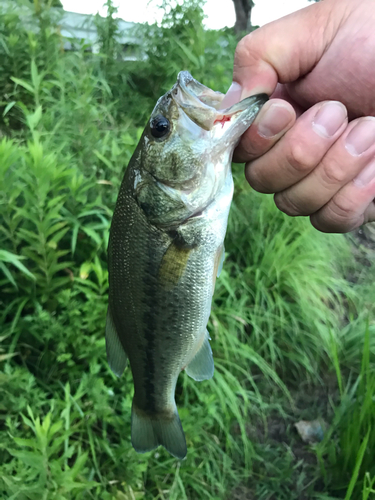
<point>351,457</point>
<point>287,326</point>
<point>180,43</point>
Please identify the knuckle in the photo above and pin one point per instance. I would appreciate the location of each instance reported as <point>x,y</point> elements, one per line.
<point>321,225</point>
<point>242,55</point>
<point>286,205</point>
<point>342,207</point>
<point>249,51</point>
<point>298,157</point>
<point>254,179</point>
<point>340,215</point>
<point>244,48</point>
<point>369,215</point>
<point>325,225</point>
<point>333,173</point>
<point>246,150</point>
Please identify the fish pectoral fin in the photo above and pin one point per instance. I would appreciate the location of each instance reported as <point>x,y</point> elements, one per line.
<point>150,431</point>
<point>220,260</point>
<point>218,264</point>
<point>201,367</point>
<point>116,355</point>
<point>173,265</point>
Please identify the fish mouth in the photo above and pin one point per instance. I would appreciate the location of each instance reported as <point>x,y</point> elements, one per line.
<point>192,90</point>
<point>202,106</point>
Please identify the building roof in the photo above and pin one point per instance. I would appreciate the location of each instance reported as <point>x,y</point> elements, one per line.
<point>82,26</point>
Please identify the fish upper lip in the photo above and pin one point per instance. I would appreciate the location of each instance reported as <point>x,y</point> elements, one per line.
<point>188,85</point>
<point>183,80</point>
<point>190,95</point>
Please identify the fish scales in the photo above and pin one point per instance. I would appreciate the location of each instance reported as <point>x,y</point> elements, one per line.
<point>168,322</point>
<point>166,241</point>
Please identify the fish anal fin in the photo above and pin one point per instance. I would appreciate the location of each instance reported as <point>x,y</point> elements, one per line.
<point>165,429</point>
<point>201,367</point>
<point>117,358</point>
<point>173,265</point>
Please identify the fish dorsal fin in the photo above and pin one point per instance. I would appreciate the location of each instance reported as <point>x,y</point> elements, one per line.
<point>116,355</point>
<point>201,367</point>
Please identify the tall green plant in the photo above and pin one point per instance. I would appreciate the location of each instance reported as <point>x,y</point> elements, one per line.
<point>348,464</point>
<point>180,43</point>
<point>282,309</point>
<point>28,31</point>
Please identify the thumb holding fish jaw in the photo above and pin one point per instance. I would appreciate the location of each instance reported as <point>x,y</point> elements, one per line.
<point>302,62</point>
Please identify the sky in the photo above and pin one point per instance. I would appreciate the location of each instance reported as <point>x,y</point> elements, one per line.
<point>264,11</point>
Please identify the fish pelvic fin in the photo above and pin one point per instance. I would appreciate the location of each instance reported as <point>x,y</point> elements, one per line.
<point>150,431</point>
<point>201,367</point>
<point>117,358</point>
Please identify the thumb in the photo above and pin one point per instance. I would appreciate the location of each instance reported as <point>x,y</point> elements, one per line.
<point>284,50</point>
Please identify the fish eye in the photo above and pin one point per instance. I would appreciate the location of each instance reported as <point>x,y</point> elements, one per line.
<point>160,126</point>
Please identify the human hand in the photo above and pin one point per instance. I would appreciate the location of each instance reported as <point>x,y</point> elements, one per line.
<point>320,164</point>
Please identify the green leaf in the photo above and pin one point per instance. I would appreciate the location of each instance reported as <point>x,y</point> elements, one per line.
<point>31,443</point>
<point>8,107</point>
<point>8,274</point>
<point>30,458</point>
<point>4,357</point>
<point>15,260</point>
<point>4,45</point>
<point>103,159</point>
<point>92,234</point>
<point>34,118</point>
<point>59,234</point>
<point>74,238</point>
<point>357,467</point>
<point>23,84</point>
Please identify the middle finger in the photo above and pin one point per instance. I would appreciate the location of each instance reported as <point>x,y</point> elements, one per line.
<point>344,160</point>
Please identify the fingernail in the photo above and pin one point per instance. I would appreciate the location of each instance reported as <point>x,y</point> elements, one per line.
<point>361,137</point>
<point>366,176</point>
<point>259,89</point>
<point>274,120</point>
<point>232,96</point>
<point>329,119</point>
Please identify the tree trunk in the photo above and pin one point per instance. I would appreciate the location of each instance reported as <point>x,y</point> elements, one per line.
<point>243,15</point>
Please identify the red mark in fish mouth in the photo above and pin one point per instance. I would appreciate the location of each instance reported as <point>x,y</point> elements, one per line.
<point>222,120</point>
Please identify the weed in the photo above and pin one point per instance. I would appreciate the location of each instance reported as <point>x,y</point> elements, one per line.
<point>285,316</point>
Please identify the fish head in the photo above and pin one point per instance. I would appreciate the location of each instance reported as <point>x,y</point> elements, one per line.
<point>187,148</point>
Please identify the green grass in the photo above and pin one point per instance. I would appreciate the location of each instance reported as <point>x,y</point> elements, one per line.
<point>292,322</point>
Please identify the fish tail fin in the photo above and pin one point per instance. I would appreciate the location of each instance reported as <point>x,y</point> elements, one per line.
<point>150,431</point>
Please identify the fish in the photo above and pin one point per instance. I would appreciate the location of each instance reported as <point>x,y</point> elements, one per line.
<point>166,249</point>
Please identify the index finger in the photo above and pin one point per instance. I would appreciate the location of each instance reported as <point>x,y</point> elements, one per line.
<point>284,50</point>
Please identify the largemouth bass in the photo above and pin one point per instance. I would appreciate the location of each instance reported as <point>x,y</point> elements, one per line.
<point>166,250</point>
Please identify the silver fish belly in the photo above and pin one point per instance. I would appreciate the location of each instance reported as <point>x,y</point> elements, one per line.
<point>166,249</point>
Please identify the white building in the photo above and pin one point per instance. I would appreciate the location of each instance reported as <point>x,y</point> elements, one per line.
<point>82,27</point>
<point>75,28</point>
